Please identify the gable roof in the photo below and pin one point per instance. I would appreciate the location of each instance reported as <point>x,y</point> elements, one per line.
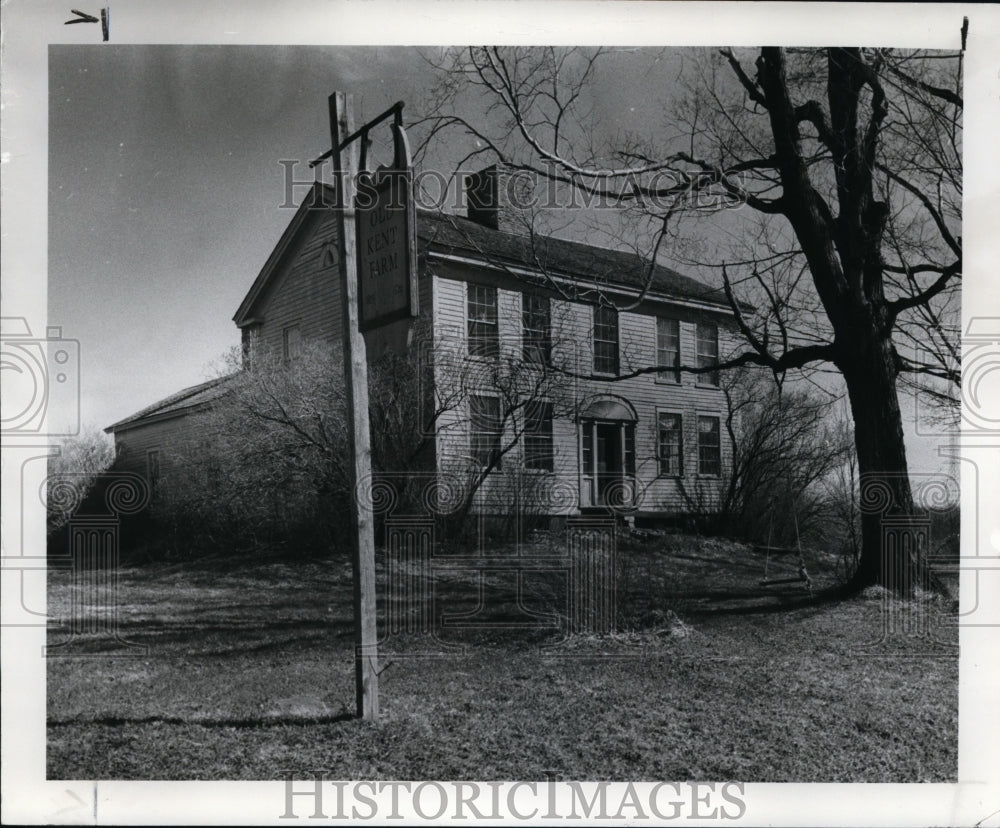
<point>572,260</point>
<point>450,234</point>
<point>191,397</point>
<point>320,196</point>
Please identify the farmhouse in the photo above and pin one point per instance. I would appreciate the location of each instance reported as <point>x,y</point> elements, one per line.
<point>567,328</point>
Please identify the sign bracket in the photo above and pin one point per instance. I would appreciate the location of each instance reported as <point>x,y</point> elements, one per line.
<point>396,110</point>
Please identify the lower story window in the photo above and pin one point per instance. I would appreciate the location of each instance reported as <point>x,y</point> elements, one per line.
<point>671,462</point>
<point>628,435</point>
<point>153,470</point>
<point>484,421</point>
<point>709,447</point>
<point>291,343</point>
<point>538,452</point>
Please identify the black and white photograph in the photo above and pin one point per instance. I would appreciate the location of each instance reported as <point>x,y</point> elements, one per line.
<point>501,433</point>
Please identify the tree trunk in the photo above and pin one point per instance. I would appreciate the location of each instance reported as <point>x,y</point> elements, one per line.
<point>891,555</point>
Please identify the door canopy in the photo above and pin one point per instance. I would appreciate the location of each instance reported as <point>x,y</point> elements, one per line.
<point>608,408</point>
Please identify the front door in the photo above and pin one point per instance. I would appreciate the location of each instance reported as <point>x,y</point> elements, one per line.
<point>609,459</point>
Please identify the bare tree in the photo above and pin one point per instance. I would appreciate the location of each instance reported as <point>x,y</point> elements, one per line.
<point>785,446</point>
<point>267,464</point>
<point>73,471</point>
<point>511,402</point>
<point>846,164</point>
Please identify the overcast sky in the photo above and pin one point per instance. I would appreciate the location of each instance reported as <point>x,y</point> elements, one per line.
<point>165,190</point>
<point>165,193</point>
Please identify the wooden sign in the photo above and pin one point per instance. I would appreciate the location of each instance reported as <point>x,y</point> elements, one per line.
<point>386,234</point>
<point>378,268</point>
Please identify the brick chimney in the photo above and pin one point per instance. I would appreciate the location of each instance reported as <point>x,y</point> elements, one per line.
<point>499,197</point>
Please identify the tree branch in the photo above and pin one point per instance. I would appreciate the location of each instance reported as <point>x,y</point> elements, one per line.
<point>939,222</point>
<point>795,358</point>
<point>899,305</point>
<point>936,91</point>
<point>754,91</point>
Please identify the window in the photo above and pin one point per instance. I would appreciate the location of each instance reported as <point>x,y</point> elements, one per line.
<point>484,419</point>
<point>709,451</point>
<point>536,324</point>
<point>605,340</point>
<point>207,464</point>
<point>291,343</point>
<point>670,441</point>
<point>708,351</point>
<point>153,471</point>
<point>538,436</point>
<point>668,349</point>
<point>251,344</point>
<point>330,253</point>
<point>482,311</point>
<point>629,449</point>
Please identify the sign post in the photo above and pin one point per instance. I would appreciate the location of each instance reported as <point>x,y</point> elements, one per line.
<point>376,219</point>
<point>355,364</point>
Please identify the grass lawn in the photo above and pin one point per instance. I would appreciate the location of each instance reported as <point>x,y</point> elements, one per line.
<point>248,674</point>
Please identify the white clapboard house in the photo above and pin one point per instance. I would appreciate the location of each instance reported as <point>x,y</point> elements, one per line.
<point>491,293</point>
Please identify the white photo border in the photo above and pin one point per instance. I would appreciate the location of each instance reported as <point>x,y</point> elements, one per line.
<point>30,26</point>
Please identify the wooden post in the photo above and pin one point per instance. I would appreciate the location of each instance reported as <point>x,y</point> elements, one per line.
<point>356,366</point>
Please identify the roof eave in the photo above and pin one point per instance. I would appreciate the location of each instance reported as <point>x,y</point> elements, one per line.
<point>155,412</point>
<point>129,423</point>
<point>522,270</point>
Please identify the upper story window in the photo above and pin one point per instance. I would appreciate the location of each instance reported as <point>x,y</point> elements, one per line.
<point>538,453</point>
<point>605,340</point>
<point>536,329</point>
<point>709,447</point>
<point>484,339</point>
<point>670,444</point>
<point>485,430</point>
<point>707,340</point>
<point>291,343</point>
<point>153,471</point>
<point>668,349</point>
<point>330,253</point>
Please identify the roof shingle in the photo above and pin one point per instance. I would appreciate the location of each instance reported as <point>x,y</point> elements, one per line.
<point>606,267</point>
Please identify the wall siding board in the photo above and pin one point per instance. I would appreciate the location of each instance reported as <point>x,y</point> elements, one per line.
<point>177,439</point>
<point>572,324</point>
<point>305,291</point>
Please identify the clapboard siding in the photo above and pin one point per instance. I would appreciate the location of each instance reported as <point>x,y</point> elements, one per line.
<point>305,291</point>
<point>178,441</point>
<point>572,346</point>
